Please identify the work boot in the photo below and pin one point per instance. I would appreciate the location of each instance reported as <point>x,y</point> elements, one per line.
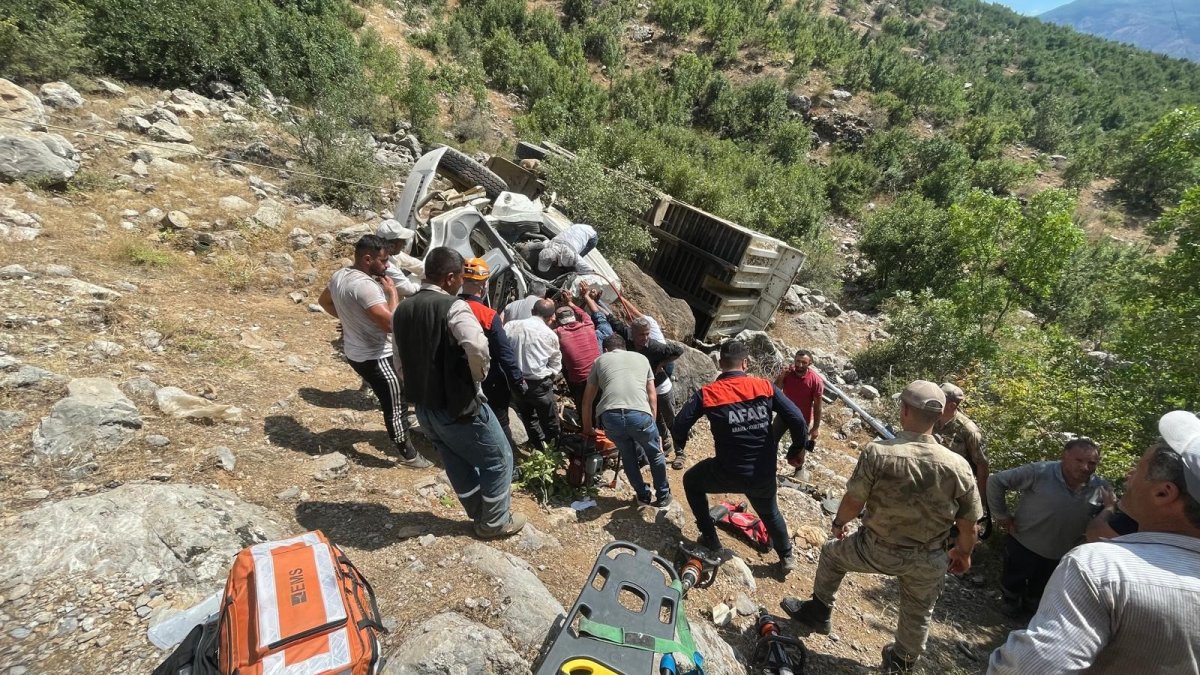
<point>812,613</point>
<point>787,562</point>
<point>712,543</point>
<point>664,501</point>
<point>515,522</point>
<point>892,663</point>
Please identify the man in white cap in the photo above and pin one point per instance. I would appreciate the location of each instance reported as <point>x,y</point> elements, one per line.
<point>914,491</point>
<point>404,270</point>
<point>1129,604</point>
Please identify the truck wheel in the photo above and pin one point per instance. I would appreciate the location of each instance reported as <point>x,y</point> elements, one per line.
<point>466,173</point>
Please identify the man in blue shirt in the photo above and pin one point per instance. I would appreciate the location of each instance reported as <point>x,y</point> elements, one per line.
<point>739,409</point>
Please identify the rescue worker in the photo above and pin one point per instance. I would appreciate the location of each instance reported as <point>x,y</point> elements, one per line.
<point>504,371</point>
<point>739,408</point>
<point>914,491</point>
<point>443,358</point>
<point>959,433</point>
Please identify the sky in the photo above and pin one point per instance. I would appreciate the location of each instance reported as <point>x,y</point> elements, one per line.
<point>1031,7</point>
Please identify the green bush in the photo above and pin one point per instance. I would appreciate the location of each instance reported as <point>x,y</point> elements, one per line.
<point>909,247</point>
<point>331,148</point>
<point>1000,176</point>
<point>43,39</point>
<point>1166,159</point>
<point>680,17</point>
<point>849,180</point>
<point>930,340</point>
<point>604,199</point>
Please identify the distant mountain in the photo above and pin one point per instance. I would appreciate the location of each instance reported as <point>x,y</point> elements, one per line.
<point>1030,7</point>
<point>1169,27</point>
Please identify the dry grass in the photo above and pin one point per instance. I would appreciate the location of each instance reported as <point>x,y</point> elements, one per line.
<point>136,251</point>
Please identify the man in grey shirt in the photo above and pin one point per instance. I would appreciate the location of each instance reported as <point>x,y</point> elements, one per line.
<point>627,409</point>
<point>1056,502</point>
<point>1127,605</point>
<point>363,297</point>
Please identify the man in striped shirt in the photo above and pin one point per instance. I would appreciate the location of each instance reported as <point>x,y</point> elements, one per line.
<point>1127,605</point>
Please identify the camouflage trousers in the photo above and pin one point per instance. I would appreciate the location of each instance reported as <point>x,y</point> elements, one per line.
<point>921,574</point>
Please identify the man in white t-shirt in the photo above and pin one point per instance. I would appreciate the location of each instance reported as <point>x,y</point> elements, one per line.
<point>363,297</point>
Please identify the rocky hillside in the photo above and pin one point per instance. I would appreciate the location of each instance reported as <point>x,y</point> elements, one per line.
<point>170,394</point>
<point>1171,27</point>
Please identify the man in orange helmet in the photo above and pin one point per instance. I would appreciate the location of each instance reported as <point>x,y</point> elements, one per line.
<point>504,371</point>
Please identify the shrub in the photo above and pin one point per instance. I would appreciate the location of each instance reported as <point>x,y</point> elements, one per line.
<point>330,147</point>
<point>929,340</point>
<point>909,246</point>
<point>849,180</point>
<point>1000,176</point>
<point>43,39</point>
<point>607,200</point>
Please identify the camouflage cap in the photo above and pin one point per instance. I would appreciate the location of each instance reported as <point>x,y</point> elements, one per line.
<point>924,395</point>
<point>952,392</point>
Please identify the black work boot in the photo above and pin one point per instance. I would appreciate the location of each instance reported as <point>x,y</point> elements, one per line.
<point>712,543</point>
<point>892,663</point>
<point>812,613</point>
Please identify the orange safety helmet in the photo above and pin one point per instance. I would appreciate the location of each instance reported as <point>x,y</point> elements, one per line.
<point>476,269</point>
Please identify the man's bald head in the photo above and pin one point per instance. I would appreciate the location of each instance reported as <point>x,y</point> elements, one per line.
<point>544,310</point>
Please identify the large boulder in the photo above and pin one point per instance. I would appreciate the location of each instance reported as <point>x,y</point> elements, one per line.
<point>28,155</point>
<point>693,370</point>
<point>60,95</point>
<point>16,102</point>
<point>160,532</point>
<point>94,417</point>
<point>451,644</point>
<point>529,609</point>
<point>673,314</point>
<point>719,657</point>
<point>767,355</point>
<point>818,330</point>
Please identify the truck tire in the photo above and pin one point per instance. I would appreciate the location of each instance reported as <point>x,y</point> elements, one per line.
<point>531,151</point>
<point>466,173</point>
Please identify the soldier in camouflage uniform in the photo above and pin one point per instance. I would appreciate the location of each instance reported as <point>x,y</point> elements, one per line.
<point>959,433</point>
<point>914,491</point>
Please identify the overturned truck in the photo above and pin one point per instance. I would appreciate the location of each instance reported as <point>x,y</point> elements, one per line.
<point>733,278</point>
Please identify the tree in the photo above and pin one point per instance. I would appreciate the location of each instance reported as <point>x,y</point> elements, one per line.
<point>1166,159</point>
<point>1012,257</point>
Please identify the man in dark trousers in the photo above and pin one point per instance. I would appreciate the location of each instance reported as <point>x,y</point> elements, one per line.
<point>739,409</point>
<point>504,372</point>
<point>363,298</point>
<point>443,356</point>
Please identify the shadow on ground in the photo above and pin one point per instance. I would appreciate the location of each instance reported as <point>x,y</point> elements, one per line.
<point>348,399</point>
<point>285,431</point>
<point>370,526</point>
<point>802,659</point>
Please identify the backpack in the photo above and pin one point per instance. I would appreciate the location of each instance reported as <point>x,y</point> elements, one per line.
<point>741,522</point>
<point>298,605</point>
<point>196,655</point>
